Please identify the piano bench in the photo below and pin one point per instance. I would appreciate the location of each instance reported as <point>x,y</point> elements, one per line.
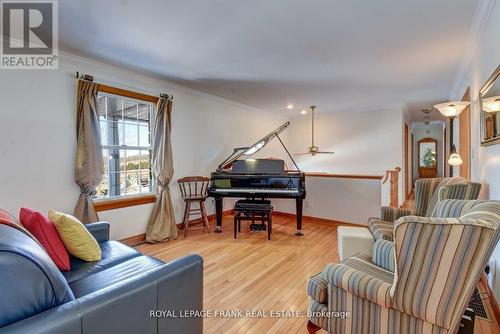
<point>253,210</point>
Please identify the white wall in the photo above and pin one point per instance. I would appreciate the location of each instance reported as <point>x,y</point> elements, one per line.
<point>363,142</point>
<point>485,166</point>
<point>37,136</point>
<point>339,199</point>
<point>434,131</point>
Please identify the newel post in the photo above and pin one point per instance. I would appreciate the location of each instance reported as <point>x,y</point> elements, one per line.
<point>393,176</point>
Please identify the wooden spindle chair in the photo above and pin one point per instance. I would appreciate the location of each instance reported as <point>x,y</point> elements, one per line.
<point>194,189</point>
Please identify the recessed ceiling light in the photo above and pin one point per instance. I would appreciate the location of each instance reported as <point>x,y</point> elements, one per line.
<point>290,106</point>
<point>303,112</point>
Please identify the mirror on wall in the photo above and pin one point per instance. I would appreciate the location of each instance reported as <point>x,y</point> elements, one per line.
<point>427,158</point>
<point>489,99</point>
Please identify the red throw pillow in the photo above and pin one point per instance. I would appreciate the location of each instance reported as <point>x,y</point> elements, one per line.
<point>45,231</point>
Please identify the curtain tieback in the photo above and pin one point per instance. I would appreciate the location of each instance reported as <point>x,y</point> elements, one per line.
<point>88,192</point>
<point>163,185</point>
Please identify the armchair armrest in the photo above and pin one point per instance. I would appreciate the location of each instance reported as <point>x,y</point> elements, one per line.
<point>392,214</point>
<point>99,230</point>
<point>383,254</point>
<point>346,276</point>
<point>129,306</point>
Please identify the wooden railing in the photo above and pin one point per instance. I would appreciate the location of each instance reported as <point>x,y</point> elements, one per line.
<point>393,177</point>
<point>344,176</point>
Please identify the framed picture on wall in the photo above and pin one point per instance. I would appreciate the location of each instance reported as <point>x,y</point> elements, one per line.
<point>489,102</point>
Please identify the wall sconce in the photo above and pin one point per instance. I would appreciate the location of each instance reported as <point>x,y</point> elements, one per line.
<point>451,110</point>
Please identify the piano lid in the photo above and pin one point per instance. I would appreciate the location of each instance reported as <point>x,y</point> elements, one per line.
<point>257,146</point>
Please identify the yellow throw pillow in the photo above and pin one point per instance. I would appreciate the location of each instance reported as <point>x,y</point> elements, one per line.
<point>77,239</point>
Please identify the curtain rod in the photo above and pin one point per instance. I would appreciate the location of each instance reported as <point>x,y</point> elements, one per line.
<point>88,77</point>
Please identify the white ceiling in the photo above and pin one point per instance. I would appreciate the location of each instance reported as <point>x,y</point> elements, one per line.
<point>340,55</point>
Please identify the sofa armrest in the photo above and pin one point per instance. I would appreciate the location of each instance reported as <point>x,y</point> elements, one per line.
<point>99,230</point>
<point>392,214</point>
<point>383,254</point>
<point>129,306</point>
<point>63,319</point>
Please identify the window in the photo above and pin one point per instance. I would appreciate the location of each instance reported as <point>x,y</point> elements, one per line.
<point>126,146</point>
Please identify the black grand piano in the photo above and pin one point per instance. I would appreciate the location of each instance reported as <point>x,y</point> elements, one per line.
<point>239,176</point>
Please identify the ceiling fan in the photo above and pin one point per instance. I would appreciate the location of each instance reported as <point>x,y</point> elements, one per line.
<point>313,150</point>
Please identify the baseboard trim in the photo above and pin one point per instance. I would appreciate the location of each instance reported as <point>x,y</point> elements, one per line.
<point>140,238</point>
<point>317,219</point>
<point>134,240</point>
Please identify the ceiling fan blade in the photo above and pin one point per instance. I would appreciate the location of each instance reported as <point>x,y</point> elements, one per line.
<point>324,152</point>
<point>305,153</point>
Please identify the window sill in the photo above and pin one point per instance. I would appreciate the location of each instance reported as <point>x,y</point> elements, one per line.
<point>123,202</point>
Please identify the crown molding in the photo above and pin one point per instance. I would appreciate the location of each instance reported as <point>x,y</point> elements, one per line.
<point>150,79</point>
<point>481,17</point>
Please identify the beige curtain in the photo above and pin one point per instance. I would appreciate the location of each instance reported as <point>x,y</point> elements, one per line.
<point>89,162</point>
<point>161,224</point>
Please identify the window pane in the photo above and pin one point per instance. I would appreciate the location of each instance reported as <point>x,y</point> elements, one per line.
<point>114,109</point>
<point>146,184</point>
<point>132,160</point>
<point>132,183</point>
<point>144,112</point>
<point>144,136</point>
<point>104,132</point>
<point>114,184</point>
<point>131,134</point>
<point>101,107</point>
<point>123,160</point>
<point>103,189</point>
<point>105,158</point>
<point>145,161</point>
<point>130,112</point>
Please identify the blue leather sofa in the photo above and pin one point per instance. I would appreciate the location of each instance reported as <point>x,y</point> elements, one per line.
<point>114,295</point>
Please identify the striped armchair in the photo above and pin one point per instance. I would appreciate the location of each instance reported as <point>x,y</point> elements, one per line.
<point>428,192</point>
<point>438,264</point>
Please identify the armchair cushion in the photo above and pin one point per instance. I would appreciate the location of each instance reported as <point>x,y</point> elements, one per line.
<point>359,276</point>
<point>381,229</point>
<point>383,254</point>
<point>317,288</point>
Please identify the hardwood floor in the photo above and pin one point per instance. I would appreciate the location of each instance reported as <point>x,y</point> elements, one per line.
<point>252,273</point>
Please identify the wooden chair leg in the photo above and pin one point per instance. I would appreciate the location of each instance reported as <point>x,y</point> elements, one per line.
<point>204,216</point>
<point>269,226</point>
<point>312,328</point>
<point>186,218</point>
<point>235,225</point>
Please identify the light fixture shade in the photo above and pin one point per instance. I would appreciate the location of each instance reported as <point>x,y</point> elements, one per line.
<point>491,104</point>
<point>452,108</point>
<point>455,159</point>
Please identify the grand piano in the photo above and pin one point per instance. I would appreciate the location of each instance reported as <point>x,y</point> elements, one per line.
<point>240,176</point>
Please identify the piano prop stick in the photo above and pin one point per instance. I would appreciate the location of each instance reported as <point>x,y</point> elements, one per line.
<point>257,179</point>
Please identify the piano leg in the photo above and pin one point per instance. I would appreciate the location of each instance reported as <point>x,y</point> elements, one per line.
<point>298,213</point>
<point>218,214</point>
